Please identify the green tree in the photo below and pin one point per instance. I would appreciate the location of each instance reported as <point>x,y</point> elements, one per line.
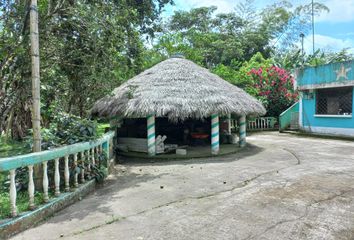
<point>237,36</point>
<point>86,47</point>
<point>292,59</point>
<point>238,73</point>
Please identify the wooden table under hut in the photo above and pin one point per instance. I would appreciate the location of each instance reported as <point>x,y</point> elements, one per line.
<point>177,107</point>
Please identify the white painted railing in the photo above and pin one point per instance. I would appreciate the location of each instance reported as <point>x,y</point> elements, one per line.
<point>257,124</point>
<point>82,155</point>
<point>262,123</point>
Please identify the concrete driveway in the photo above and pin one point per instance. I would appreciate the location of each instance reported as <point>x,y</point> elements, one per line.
<point>281,187</point>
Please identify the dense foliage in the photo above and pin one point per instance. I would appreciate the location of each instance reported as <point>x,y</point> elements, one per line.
<point>211,39</point>
<point>66,129</point>
<point>86,49</point>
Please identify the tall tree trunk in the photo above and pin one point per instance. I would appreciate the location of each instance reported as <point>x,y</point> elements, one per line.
<point>36,114</point>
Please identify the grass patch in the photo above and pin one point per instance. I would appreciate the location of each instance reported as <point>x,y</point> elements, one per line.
<point>21,203</point>
<point>10,147</point>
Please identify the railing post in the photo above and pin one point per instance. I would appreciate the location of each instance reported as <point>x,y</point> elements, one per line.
<point>95,152</point>
<point>260,123</point>
<point>45,182</point>
<point>264,123</point>
<point>105,147</point>
<point>66,173</point>
<point>93,156</point>
<point>83,167</point>
<point>87,156</point>
<point>111,147</point>
<point>76,183</point>
<point>30,187</point>
<point>10,164</point>
<point>57,177</point>
<point>107,150</point>
<point>13,193</point>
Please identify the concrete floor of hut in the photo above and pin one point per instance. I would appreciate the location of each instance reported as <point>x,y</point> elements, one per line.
<point>192,152</point>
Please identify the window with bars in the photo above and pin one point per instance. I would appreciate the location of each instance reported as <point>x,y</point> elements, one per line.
<point>334,101</point>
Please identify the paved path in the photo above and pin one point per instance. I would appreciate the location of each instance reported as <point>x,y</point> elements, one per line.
<point>282,187</point>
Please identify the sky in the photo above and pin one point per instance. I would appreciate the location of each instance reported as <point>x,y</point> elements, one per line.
<point>333,31</point>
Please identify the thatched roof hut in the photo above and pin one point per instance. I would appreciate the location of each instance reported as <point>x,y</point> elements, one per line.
<point>177,89</point>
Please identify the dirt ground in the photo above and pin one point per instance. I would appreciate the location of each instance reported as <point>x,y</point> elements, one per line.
<point>279,187</point>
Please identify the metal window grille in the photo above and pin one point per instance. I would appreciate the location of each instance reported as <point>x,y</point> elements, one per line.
<point>334,101</point>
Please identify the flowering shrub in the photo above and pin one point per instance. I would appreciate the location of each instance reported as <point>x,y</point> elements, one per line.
<point>275,88</point>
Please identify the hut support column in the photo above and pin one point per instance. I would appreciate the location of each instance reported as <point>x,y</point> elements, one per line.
<point>229,123</point>
<point>242,124</point>
<point>214,134</point>
<point>151,135</point>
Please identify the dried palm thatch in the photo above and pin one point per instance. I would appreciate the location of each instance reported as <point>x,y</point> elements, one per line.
<point>178,89</point>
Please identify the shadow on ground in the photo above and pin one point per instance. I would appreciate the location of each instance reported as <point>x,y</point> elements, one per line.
<point>247,151</point>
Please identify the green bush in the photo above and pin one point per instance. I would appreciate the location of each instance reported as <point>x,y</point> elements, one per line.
<point>66,129</point>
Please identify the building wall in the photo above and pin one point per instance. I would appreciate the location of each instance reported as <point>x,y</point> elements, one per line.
<point>338,125</point>
<point>326,76</point>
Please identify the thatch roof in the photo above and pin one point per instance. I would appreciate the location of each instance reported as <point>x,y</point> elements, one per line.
<point>178,89</point>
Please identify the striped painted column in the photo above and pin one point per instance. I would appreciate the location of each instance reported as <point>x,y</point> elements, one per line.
<point>151,135</point>
<point>242,124</point>
<point>229,123</point>
<point>214,134</point>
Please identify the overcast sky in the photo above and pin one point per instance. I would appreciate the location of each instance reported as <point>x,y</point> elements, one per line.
<point>333,31</point>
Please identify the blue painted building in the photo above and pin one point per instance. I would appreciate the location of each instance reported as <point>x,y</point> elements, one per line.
<point>326,98</point>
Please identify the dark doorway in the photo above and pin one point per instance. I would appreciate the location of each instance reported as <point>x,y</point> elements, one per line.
<point>132,128</point>
<point>188,132</point>
<point>184,133</point>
